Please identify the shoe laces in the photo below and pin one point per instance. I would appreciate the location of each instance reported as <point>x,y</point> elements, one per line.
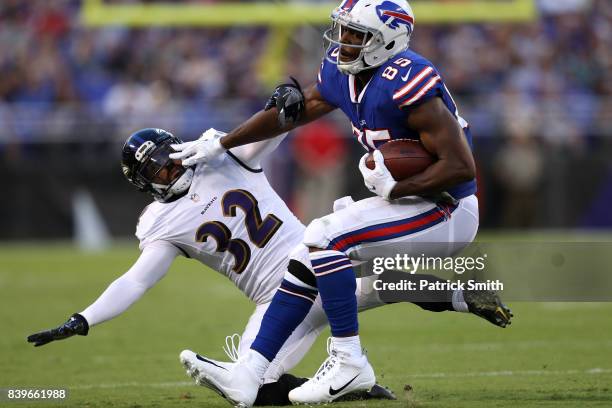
<point>230,348</point>
<point>330,362</point>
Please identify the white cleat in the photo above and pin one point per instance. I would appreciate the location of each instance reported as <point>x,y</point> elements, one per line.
<point>337,376</point>
<point>233,381</point>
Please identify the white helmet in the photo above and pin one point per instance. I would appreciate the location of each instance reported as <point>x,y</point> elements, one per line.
<point>386,24</point>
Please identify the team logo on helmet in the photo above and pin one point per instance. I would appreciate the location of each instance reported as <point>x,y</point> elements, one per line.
<point>393,15</point>
<point>348,4</point>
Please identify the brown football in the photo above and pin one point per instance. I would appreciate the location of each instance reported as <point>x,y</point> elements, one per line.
<point>404,158</point>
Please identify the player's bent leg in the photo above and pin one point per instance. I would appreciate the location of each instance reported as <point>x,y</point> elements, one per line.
<point>347,368</point>
<point>364,230</point>
<point>336,283</point>
<point>302,338</point>
<point>374,227</point>
<point>482,303</point>
<point>278,383</point>
<point>240,382</point>
<point>413,226</point>
<point>290,305</point>
<point>336,235</point>
<point>297,291</point>
<point>218,376</point>
<point>298,344</point>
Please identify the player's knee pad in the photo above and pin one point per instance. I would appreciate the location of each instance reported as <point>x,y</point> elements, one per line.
<point>300,254</point>
<point>315,234</point>
<point>299,272</point>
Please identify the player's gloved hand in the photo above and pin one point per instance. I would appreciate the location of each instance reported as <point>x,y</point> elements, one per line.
<point>289,101</point>
<point>379,180</point>
<point>203,150</point>
<point>75,325</point>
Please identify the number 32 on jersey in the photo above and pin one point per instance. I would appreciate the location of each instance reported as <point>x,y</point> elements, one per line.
<point>260,230</point>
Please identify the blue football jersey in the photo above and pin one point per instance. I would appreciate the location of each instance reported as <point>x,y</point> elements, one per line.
<point>378,113</point>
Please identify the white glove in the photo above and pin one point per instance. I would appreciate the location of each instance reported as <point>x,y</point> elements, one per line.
<point>379,181</point>
<point>203,150</point>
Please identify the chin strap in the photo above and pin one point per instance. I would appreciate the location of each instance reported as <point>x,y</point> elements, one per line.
<point>180,186</point>
<point>183,183</point>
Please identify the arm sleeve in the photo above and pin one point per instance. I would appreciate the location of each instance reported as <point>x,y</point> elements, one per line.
<point>253,153</point>
<point>151,266</point>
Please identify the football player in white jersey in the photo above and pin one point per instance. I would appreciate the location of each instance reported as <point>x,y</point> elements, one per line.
<point>229,218</point>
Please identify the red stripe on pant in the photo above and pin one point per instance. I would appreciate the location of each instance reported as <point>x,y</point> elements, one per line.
<point>364,236</point>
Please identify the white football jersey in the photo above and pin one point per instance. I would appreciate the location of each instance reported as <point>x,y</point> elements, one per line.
<point>232,221</point>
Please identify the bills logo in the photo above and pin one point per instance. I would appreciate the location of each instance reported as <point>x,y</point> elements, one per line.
<point>393,15</point>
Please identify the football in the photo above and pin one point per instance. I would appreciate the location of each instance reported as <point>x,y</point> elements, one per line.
<point>404,158</point>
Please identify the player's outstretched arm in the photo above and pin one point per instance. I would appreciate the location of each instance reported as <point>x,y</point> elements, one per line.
<point>274,120</point>
<point>441,135</point>
<point>287,108</point>
<point>151,266</point>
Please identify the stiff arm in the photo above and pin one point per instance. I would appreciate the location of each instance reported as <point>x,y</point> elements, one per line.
<point>264,124</point>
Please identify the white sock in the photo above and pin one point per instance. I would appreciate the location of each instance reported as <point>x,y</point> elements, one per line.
<point>258,363</point>
<point>458,302</point>
<point>349,345</point>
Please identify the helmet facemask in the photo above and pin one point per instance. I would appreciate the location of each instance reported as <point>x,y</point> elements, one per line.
<point>372,39</point>
<point>161,176</point>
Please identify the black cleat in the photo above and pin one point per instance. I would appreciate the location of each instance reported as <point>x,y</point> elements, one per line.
<point>488,305</point>
<point>378,392</point>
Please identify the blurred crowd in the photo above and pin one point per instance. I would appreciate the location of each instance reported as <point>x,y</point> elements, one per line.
<point>553,76</point>
<point>48,61</point>
<point>528,85</point>
<point>549,75</point>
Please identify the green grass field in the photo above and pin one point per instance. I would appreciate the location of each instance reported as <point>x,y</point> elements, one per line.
<point>553,355</point>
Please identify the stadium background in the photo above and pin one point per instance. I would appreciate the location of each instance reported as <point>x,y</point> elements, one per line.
<point>534,79</point>
<point>536,93</point>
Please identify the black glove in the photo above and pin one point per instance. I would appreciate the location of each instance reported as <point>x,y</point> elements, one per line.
<point>289,101</point>
<point>75,325</point>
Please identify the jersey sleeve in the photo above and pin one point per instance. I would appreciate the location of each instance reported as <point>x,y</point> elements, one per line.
<point>151,226</point>
<point>327,83</point>
<point>151,266</point>
<point>415,84</point>
<point>144,227</point>
<point>253,153</point>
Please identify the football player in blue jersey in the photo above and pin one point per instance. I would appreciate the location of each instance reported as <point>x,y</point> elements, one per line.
<point>388,92</point>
